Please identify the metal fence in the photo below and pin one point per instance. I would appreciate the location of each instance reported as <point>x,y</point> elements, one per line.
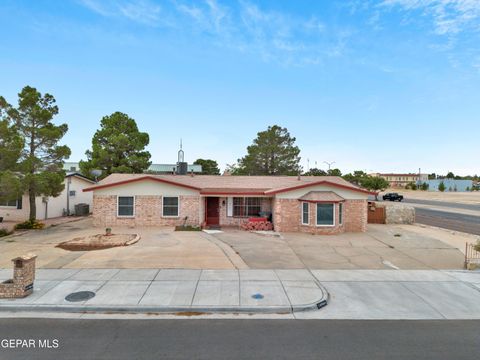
<point>471,255</point>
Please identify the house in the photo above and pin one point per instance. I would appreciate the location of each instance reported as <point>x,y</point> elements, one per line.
<point>402,180</point>
<point>318,205</point>
<point>51,207</point>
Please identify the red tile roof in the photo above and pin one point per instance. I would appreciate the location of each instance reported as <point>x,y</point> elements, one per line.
<point>215,184</point>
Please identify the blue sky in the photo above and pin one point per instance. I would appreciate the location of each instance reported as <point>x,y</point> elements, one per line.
<point>388,85</point>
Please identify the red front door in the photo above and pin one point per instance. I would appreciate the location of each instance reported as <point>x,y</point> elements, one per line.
<point>212,213</point>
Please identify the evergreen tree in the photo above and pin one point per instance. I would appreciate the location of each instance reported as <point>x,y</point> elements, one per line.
<point>40,165</point>
<point>117,147</point>
<point>273,152</point>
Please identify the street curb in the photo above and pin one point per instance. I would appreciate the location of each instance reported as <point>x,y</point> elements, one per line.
<point>316,305</point>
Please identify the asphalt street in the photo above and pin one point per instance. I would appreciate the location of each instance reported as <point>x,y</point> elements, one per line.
<point>448,220</point>
<point>243,339</point>
<point>444,204</point>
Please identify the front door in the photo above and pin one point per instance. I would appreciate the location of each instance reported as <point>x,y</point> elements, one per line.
<point>213,211</point>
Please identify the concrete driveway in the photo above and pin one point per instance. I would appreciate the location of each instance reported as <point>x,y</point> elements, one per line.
<point>381,247</point>
<point>157,248</point>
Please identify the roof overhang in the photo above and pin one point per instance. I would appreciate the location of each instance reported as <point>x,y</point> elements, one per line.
<point>321,182</point>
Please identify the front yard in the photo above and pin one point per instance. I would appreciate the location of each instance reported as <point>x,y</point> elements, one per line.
<point>381,247</point>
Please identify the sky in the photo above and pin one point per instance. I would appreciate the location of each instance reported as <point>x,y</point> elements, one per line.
<point>379,86</point>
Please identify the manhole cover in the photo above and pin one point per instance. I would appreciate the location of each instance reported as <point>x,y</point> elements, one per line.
<point>80,296</point>
<point>257,296</point>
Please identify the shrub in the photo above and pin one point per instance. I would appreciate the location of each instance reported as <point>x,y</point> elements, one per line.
<point>187,228</point>
<point>4,232</point>
<point>424,186</point>
<point>30,224</point>
<point>441,187</point>
<point>477,246</point>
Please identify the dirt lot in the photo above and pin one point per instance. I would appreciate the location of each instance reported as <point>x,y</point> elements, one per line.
<point>472,197</point>
<point>382,247</point>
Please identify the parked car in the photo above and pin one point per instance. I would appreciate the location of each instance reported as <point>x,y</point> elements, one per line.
<point>393,197</point>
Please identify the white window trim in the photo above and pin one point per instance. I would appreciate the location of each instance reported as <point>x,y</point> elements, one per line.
<point>316,217</point>
<point>10,206</point>
<point>301,213</point>
<point>178,208</point>
<point>340,215</point>
<point>118,206</point>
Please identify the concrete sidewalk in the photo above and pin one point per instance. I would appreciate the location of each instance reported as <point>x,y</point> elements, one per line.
<point>352,294</point>
<point>172,290</point>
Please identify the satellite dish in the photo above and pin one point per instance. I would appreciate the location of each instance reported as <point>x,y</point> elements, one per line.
<point>96,173</point>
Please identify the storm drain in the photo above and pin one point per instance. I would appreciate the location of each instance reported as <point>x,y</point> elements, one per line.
<point>80,296</point>
<point>257,296</point>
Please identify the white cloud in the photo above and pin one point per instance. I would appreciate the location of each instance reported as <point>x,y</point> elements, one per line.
<point>141,11</point>
<point>449,16</point>
<point>244,26</point>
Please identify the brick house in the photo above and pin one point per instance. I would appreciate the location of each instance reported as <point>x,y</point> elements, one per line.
<point>319,205</point>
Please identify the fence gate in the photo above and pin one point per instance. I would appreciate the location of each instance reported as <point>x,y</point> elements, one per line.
<point>376,215</point>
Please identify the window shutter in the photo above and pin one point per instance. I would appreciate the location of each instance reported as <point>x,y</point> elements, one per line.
<point>230,206</point>
<point>19,203</point>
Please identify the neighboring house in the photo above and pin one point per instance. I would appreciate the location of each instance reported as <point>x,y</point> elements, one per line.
<point>154,168</point>
<point>181,167</point>
<point>402,180</point>
<point>450,185</point>
<point>51,207</point>
<point>313,204</point>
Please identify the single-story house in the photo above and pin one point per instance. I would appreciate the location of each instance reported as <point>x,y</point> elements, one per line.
<point>51,207</point>
<point>319,205</point>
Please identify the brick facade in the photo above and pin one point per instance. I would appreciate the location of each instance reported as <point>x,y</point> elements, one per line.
<point>287,217</point>
<point>286,214</point>
<point>148,211</point>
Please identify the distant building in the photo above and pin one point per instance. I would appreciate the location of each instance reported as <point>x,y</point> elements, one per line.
<point>177,168</point>
<point>401,180</point>
<point>450,185</point>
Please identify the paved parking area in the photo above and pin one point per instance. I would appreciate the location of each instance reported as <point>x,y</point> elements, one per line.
<point>381,247</point>
<point>157,248</point>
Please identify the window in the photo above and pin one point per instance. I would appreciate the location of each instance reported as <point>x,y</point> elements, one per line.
<point>10,203</point>
<point>126,206</point>
<point>305,213</point>
<point>170,206</point>
<point>325,215</point>
<point>244,207</point>
<point>340,213</point>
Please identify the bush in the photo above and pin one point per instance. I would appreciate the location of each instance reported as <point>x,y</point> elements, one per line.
<point>187,228</point>
<point>4,232</point>
<point>477,246</point>
<point>30,224</point>
<point>424,186</point>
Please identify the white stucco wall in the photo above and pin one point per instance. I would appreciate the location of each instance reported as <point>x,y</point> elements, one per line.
<point>56,205</point>
<point>146,187</point>
<point>345,193</point>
